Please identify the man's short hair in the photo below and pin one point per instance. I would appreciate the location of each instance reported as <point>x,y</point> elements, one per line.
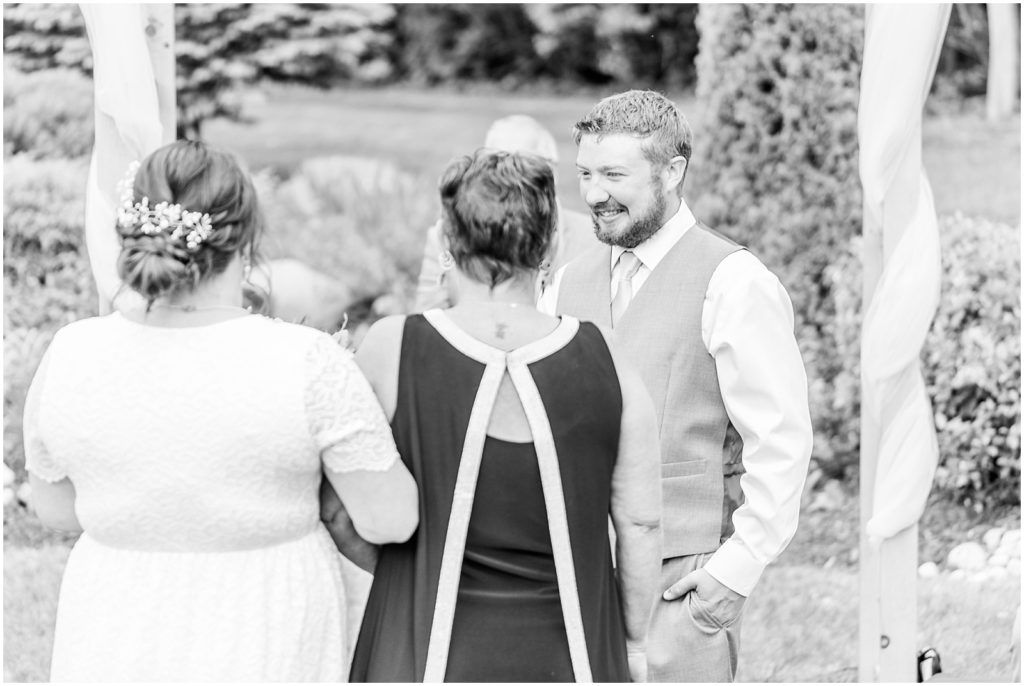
<point>644,114</point>
<point>521,133</point>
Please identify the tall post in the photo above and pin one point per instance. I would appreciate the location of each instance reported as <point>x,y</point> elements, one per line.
<point>1003,60</point>
<point>159,20</point>
<point>901,287</point>
<point>133,76</point>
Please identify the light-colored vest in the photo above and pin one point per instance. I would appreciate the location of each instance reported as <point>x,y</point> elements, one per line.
<point>660,333</point>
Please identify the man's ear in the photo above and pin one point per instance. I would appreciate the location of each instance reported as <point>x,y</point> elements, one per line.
<point>675,172</point>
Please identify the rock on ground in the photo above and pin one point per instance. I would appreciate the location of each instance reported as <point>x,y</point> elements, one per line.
<point>969,556</point>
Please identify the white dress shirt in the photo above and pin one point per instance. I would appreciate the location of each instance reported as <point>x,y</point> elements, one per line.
<point>747,326</point>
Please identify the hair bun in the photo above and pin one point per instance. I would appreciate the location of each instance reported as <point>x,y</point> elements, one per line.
<point>155,266</point>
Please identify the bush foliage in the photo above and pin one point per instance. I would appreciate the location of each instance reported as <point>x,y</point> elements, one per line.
<point>47,281</point>
<point>222,47</point>
<point>970,361</point>
<point>635,45</point>
<point>361,221</point>
<point>778,160</point>
<point>458,42</point>
<point>43,126</point>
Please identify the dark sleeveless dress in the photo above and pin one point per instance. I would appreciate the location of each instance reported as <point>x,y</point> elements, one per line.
<point>508,619</point>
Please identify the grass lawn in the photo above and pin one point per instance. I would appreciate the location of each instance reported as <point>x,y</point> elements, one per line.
<point>801,625</point>
<point>974,166</point>
<point>815,637</point>
<point>31,584</point>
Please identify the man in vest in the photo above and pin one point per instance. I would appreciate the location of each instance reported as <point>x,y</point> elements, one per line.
<point>711,332</point>
<point>514,133</point>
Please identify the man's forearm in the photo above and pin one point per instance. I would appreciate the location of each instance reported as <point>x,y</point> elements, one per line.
<point>350,544</point>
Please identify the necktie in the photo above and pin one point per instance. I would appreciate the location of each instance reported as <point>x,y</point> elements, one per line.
<point>628,266</point>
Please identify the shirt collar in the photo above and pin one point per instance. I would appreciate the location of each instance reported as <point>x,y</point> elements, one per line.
<point>653,250</point>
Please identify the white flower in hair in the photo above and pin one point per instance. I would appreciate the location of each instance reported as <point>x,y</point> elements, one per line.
<point>164,217</point>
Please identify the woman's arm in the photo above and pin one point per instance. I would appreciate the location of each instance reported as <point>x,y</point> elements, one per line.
<point>53,497</point>
<point>636,514</point>
<point>383,506</point>
<point>360,461</point>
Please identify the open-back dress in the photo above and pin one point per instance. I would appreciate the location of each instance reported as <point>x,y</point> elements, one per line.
<point>509,576</point>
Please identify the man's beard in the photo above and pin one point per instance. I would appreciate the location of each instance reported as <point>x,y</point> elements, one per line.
<point>641,228</point>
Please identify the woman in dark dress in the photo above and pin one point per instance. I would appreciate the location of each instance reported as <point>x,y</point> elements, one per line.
<point>524,432</point>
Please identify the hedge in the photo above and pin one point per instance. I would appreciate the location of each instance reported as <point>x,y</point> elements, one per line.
<point>41,125</point>
<point>970,360</point>
<point>360,221</point>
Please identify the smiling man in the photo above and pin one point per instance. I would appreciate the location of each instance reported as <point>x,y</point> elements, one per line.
<point>711,331</point>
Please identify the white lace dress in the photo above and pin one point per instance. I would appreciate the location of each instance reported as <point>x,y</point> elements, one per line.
<point>196,458</point>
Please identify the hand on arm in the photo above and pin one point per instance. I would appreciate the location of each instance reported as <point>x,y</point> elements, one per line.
<point>361,464</point>
<point>636,515</point>
<point>339,525</point>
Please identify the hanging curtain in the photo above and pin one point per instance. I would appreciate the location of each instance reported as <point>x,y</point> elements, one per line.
<point>901,49</point>
<point>128,126</point>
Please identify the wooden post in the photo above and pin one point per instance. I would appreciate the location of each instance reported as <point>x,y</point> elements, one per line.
<point>901,288</point>
<point>1003,60</point>
<point>131,44</point>
<point>888,576</point>
<point>160,41</point>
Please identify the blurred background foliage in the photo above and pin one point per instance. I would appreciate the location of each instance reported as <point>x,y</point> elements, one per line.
<point>775,91</point>
<point>224,47</point>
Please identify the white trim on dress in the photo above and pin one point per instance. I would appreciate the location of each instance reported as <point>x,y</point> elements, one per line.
<point>497,362</point>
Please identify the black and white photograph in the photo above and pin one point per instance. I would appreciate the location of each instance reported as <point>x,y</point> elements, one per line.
<point>489,343</point>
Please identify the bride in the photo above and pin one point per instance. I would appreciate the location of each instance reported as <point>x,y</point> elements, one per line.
<point>188,442</point>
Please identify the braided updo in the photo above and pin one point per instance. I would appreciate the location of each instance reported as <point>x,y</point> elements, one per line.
<point>200,179</point>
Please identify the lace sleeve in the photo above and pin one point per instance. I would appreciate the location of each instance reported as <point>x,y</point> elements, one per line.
<point>345,419</point>
<point>38,459</point>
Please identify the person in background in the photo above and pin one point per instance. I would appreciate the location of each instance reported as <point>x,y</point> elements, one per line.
<point>188,439</point>
<point>524,431</point>
<point>710,330</point>
<point>574,232</point>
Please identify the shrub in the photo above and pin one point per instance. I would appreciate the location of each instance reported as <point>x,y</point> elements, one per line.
<point>358,220</point>
<point>48,113</point>
<point>453,42</point>
<point>223,47</point>
<point>777,160</point>
<point>645,46</point>
<point>47,280</point>
<point>970,361</point>
<point>962,69</point>
<point>45,35</point>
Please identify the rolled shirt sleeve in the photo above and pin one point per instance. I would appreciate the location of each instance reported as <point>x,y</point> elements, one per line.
<point>747,326</point>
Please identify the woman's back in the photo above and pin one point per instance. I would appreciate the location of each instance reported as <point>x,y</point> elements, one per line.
<point>508,623</point>
<point>194,438</point>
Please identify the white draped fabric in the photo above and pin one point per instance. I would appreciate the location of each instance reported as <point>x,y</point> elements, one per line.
<point>127,120</point>
<point>901,48</point>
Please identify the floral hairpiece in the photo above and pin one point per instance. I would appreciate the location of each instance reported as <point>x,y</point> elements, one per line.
<point>194,227</point>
